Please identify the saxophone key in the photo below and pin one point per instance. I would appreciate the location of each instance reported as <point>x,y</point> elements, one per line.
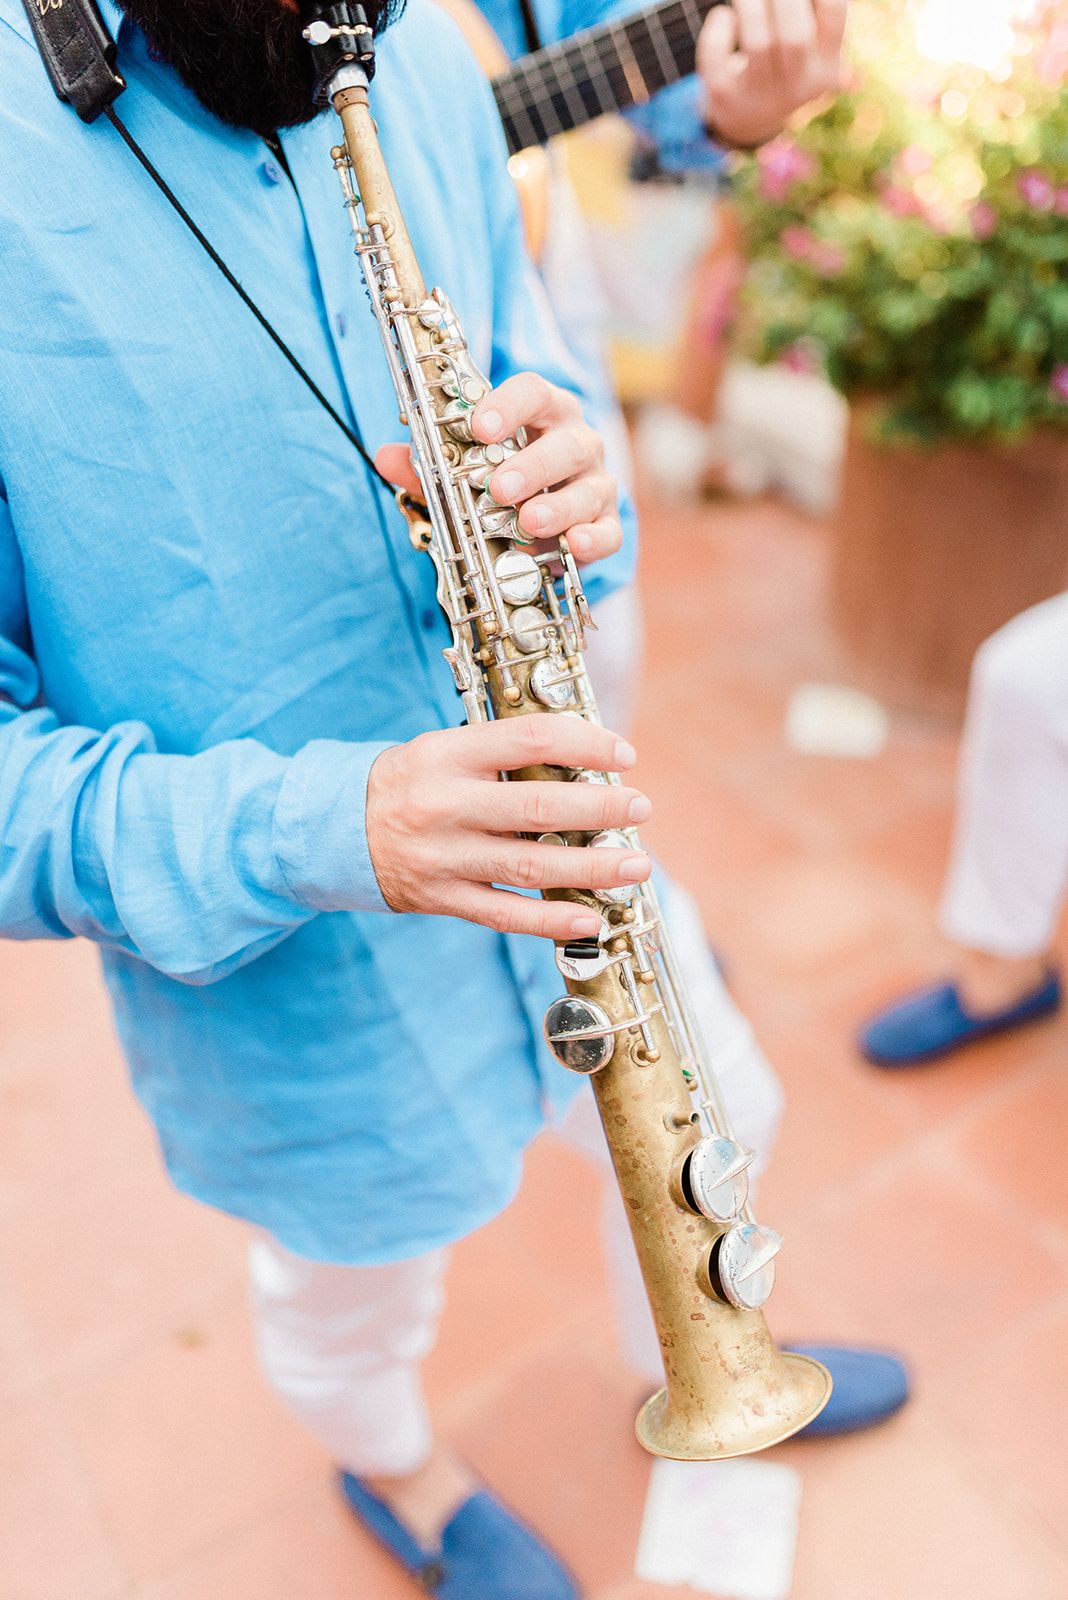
<point>518,576</point>
<point>714,1177</point>
<point>552,687</point>
<point>584,959</point>
<point>530,629</point>
<point>616,894</point>
<point>580,1034</point>
<point>741,1266</point>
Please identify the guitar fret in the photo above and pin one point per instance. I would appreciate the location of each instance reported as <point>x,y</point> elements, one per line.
<point>631,70</point>
<point>658,39</point>
<point>659,65</point>
<point>598,75</point>
<point>567,78</point>
<point>533,130</point>
<point>601,69</point>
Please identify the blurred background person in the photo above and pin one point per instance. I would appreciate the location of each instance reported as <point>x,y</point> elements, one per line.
<point>1008,873</point>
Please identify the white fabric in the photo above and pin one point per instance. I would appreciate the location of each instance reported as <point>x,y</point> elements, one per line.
<point>1009,869</point>
<point>342,1346</point>
<point>613,656</point>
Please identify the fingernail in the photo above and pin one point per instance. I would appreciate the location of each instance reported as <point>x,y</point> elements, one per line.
<point>640,809</point>
<point>634,869</point>
<point>581,543</point>
<point>509,485</point>
<point>625,754</point>
<point>490,422</point>
<point>539,516</point>
<point>586,926</point>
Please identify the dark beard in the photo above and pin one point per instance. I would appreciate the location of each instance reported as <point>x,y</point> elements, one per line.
<point>245,60</point>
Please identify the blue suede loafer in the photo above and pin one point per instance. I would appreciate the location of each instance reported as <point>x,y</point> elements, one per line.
<point>486,1553</point>
<point>934,1023</point>
<point>869,1386</point>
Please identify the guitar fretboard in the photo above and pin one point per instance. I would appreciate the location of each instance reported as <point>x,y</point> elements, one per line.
<point>602,69</point>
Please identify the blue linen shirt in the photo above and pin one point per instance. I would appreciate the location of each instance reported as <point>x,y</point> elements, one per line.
<point>673,120</point>
<point>211,623</point>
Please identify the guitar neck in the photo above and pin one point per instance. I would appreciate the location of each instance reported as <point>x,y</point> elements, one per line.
<point>602,69</point>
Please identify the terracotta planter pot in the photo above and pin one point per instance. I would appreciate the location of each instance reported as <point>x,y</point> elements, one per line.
<point>933,550</point>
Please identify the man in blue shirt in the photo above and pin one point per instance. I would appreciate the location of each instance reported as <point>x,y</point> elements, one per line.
<point>228,741</point>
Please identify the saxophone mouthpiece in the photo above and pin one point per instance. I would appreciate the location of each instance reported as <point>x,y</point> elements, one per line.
<point>340,36</point>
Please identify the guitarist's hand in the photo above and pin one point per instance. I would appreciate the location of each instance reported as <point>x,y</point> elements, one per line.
<point>564,457</point>
<point>761,60</point>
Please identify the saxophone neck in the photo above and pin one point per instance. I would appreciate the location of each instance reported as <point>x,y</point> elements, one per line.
<point>342,46</point>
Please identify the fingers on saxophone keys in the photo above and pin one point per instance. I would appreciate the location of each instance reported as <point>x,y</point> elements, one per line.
<point>558,455</point>
<point>564,807</point>
<point>585,500</point>
<point>544,740</point>
<point>528,865</point>
<point>593,541</point>
<point>524,400</point>
<point>517,913</point>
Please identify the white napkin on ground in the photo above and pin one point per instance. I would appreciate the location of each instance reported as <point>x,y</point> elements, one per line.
<point>727,1528</point>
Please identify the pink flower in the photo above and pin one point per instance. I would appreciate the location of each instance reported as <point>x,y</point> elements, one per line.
<point>1060,201</point>
<point>1036,190</point>
<point>916,158</point>
<point>984,219</point>
<point>829,260</point>
<point>782,164</point>
<point>800,357</point>
<point>1059,382</point>
<point>901,202</point>
<point>797,242</point>
<point>825,258</point>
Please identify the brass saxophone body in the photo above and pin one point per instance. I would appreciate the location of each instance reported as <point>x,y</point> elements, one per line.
<point>518,618</point>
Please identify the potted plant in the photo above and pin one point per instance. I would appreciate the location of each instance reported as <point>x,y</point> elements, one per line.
<point>912,241</point>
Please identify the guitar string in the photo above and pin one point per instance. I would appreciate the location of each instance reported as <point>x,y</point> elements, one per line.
<point>666,20</point>
<point>678,32</point>
<point>542,109</point>
<point>548,109</point>
<point>547,100</point>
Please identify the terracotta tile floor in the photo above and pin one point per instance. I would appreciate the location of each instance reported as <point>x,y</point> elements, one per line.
<point>140,1454</point>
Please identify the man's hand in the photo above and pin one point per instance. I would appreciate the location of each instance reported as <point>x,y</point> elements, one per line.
<point>564,456</point>
<point>761,60</point>
<point>441,825</point>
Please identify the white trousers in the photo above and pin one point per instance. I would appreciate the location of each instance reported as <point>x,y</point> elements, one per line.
<point>1009,868</point>
<point>342,1346</point>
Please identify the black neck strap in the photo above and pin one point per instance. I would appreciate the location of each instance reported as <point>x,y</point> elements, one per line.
<point>78,52</point>
<point>81,56</point>
<point>530,26</point>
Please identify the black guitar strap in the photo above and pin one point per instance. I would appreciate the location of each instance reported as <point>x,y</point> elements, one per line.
<point>530,26</point>
<point>79,53</point>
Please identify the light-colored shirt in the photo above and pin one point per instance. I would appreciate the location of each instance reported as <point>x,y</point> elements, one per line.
<point>672,121</point>
<point>211,623</point>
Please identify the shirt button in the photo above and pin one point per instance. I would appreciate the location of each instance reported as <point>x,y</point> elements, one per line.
<point>341,324</point>
<point>271,171</point>
<point>429,619</point>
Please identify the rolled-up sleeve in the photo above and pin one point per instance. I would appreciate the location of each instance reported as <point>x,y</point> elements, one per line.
<point>196,864</point>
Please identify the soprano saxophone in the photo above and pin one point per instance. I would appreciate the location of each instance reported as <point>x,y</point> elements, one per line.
<point>518,618</point>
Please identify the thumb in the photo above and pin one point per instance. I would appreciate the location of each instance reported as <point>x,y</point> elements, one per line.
<point>394,461</point>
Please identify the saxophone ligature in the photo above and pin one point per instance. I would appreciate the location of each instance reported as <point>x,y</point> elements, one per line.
<point>518,618</point>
